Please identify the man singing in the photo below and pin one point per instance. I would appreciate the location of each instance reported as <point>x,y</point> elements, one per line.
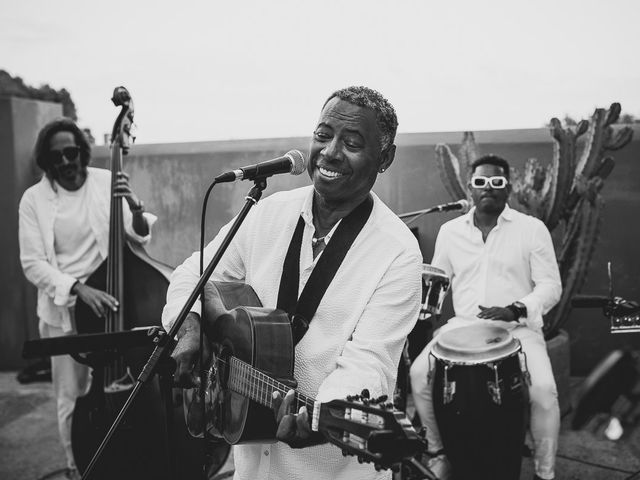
<point>356,336</point>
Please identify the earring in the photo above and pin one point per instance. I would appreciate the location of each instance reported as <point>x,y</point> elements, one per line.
<point>382,170</point>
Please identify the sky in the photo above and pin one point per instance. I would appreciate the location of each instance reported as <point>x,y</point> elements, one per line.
<point>213,70</point>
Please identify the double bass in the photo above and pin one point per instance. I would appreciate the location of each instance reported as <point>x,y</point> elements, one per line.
<point>153,441</point>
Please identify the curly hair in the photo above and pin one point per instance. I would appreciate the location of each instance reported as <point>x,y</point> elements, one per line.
<point>491,159</point>
<point>43,142</point>
<point>385,113</point>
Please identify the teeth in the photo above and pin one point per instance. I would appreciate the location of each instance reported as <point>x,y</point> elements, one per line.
<point>329,173</point>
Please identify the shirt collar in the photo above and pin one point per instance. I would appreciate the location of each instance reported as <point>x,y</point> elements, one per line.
<point>306,211</point>
<point>506,214</point>
<point>49,187</point>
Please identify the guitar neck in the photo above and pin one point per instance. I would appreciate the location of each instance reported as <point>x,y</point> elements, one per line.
<point>259,387</point>
<point>374,432</point>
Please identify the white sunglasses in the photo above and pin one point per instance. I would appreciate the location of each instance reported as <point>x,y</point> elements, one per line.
<point>480,181</point>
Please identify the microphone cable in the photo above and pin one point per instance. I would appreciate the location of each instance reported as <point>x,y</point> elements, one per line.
<point>203,369</point>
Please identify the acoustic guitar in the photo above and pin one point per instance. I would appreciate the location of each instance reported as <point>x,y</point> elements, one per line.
<point>254,356</point>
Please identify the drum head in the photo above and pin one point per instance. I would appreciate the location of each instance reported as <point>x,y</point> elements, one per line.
<point>475,344</point>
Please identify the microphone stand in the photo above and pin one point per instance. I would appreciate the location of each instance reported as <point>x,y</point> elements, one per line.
<point>165,341</point>
<point>418,214</point>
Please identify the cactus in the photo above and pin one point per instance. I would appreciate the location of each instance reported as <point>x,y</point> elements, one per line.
<point>449,168</point>
<point>565,194</point>
<point>453,169</point>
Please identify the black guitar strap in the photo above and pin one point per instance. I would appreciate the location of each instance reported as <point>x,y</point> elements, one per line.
<point>301,310</point>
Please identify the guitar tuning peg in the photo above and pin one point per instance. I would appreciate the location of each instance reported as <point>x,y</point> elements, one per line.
<point>382,398</point>
<point>390,405</point>
<point>378,467</point>
<point>360,459</point>
<point>365,393</point>
<point>344,453</point>
<point>350,398</point>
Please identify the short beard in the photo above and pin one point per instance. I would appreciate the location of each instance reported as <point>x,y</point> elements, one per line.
<point>492,209</point>
<point>70,169</point>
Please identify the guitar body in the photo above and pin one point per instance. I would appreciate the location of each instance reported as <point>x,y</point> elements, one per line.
<point>233,315</point>
<point>255,357</point>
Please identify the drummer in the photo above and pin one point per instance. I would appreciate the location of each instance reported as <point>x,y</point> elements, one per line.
<point>503,270</point>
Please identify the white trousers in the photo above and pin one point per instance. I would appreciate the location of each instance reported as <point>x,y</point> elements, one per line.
<point>545,412</point>
<point>70,380</point>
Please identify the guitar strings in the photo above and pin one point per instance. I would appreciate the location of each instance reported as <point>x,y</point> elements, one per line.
<point>258,386</point>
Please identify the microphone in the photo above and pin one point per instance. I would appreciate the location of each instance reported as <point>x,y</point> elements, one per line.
<point>448,207</point>
<point>292,162</point>
<point>462,204</point>
<point>590,301</point>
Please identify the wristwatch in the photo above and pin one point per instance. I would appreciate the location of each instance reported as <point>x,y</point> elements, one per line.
<point>519,310</point>
<point>137,208</point>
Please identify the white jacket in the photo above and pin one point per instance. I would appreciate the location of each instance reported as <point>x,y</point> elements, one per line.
<point>37,213</point>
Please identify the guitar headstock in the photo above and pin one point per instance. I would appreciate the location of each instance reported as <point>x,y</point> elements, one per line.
<point>371,429</point>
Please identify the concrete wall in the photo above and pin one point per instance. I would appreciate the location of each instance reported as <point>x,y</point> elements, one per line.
<point>20,122</point>
<point>172,180</point>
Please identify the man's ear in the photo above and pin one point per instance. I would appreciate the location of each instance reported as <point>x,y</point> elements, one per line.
<point>387,157</point>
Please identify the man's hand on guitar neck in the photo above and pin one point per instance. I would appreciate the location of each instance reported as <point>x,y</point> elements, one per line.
<point>186,352</point>
<point>294,429</point>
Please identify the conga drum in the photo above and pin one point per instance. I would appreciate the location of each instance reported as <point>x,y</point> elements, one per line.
<point>481,401</point>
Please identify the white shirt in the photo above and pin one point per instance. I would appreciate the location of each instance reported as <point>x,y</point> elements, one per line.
<point>356,336</point>
<point>75,245</point>
<point>38,210</point>
<point>516,263</point>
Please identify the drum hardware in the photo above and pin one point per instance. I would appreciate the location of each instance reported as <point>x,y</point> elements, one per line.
<point>435,285</point>
<point>623,315</point>
<point>516,385</point>
<point>494,387</point>
<point>430,370</point>
<point>523,366</point>
<point>449,389</point>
